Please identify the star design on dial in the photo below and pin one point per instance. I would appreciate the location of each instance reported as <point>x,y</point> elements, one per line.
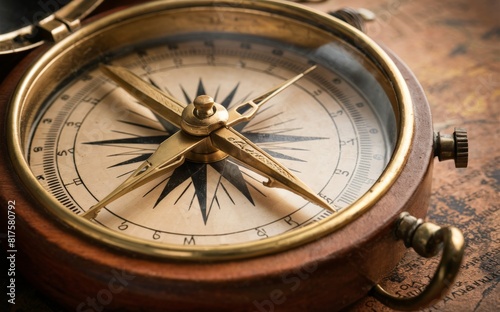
<point>272,138</point>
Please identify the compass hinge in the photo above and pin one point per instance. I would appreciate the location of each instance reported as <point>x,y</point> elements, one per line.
<point>66,20</point>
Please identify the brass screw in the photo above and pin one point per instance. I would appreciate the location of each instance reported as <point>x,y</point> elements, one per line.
<point>203,106</point>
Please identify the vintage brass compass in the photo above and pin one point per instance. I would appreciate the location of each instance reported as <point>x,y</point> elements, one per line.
<point>222,155</point>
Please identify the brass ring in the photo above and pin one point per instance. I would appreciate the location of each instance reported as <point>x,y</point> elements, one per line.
<point>430,237</point>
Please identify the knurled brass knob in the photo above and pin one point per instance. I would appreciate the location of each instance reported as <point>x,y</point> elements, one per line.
<point>454,146</point>
<point>354,17</point>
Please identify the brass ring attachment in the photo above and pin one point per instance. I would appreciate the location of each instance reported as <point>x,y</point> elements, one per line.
<point>427,239</point>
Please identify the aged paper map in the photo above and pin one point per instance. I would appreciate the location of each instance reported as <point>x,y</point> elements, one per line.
<point>453,47</point>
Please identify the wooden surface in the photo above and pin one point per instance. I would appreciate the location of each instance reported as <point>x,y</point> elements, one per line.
<point>453,47</point>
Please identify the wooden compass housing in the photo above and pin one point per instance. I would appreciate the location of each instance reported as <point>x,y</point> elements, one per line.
<point>326,274</point>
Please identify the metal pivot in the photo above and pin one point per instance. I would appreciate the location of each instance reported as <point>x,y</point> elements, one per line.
<point>426,239</point>
<point>454,146</point>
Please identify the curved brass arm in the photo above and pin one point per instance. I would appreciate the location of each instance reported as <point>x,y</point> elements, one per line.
<point>427,239</point>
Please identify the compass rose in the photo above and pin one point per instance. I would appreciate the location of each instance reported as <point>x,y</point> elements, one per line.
<point>237,130</point>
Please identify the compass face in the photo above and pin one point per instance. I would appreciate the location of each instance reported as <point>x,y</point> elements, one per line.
<point>334,129</point>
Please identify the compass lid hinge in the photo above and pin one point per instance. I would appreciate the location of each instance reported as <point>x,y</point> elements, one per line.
<point>66,20</point>
<point>52,28</point>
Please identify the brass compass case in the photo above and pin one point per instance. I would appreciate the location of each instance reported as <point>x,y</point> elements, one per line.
<point>325,260</point>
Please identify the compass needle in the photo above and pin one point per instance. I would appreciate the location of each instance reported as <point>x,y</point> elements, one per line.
<point>168,156</point>
<point>148,95</point>
<point>248,110</point>
<point>236,145</point>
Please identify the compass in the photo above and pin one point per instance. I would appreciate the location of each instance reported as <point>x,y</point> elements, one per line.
<point>258,153</point>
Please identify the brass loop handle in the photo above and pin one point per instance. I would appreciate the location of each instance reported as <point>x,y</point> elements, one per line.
<point>427,239</point>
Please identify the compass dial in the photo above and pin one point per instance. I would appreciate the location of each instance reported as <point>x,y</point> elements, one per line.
<point>324,128</point>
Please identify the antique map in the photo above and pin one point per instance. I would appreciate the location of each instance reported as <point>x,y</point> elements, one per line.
<point>453,47</point>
